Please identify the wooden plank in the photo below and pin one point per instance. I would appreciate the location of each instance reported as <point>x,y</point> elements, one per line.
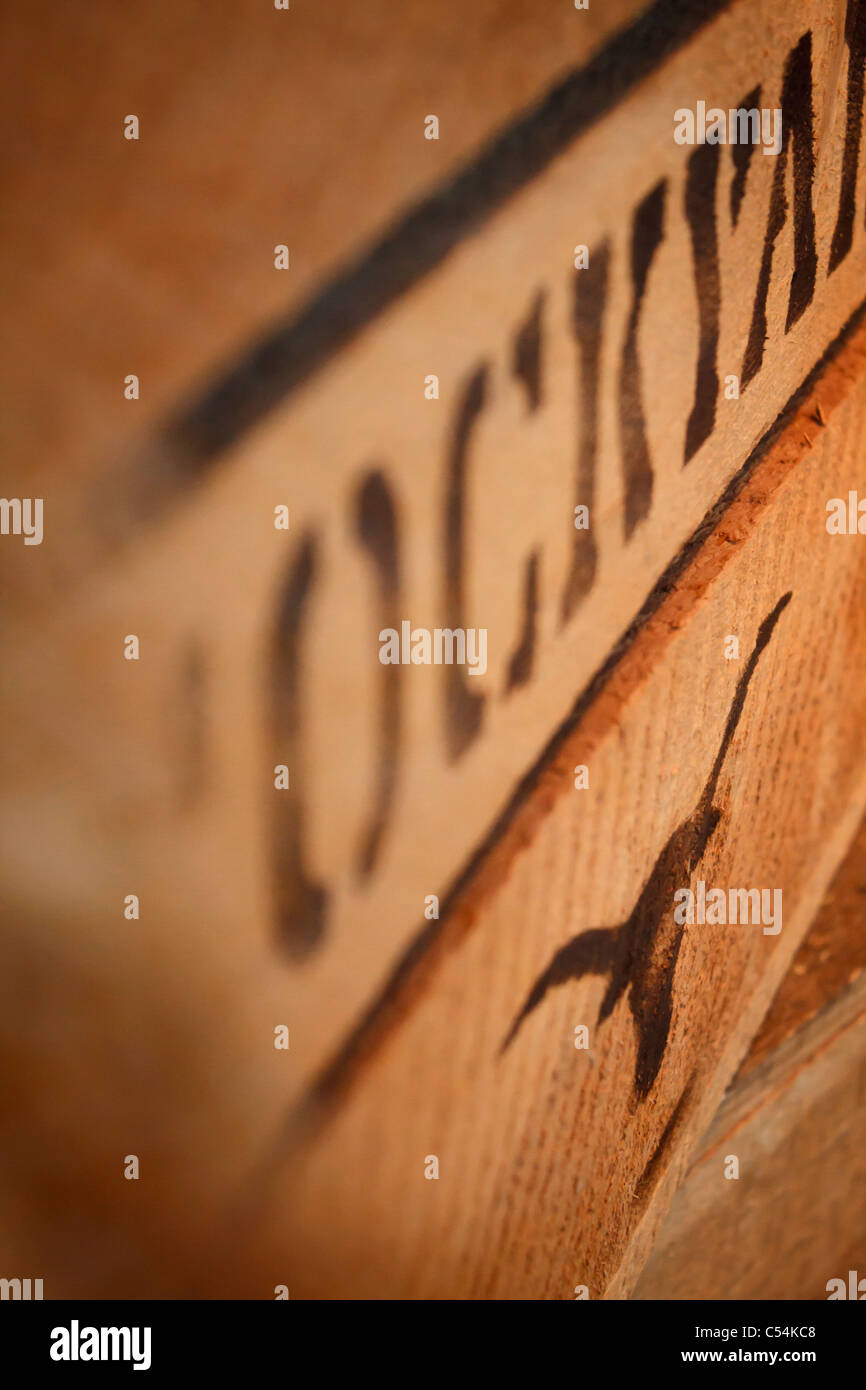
<point>794,1219</point>
<point>257,127</point>
<point>260,647</point>
<point>556,1165</point>
<point>795,1119</point>
<point>831,958</point>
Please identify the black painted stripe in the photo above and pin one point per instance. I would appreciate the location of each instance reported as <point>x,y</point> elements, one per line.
<point>282,360</point>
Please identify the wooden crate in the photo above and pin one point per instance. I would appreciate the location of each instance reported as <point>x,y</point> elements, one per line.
<point>671,694</point>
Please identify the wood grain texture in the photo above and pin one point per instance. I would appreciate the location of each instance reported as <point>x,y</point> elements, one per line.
<point>795,1217</point>
<point>795,1118</point>
<point>831,958</point>
<point>455,513</point>
<point>554,1172</point>
<point>261,648</point>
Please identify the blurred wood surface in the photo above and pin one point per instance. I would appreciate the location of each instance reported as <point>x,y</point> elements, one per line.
<point>258,127</point>
<point>830,960</point>
<point>795,1117</point>
<point>260,647</point>
<point>559,387</point>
